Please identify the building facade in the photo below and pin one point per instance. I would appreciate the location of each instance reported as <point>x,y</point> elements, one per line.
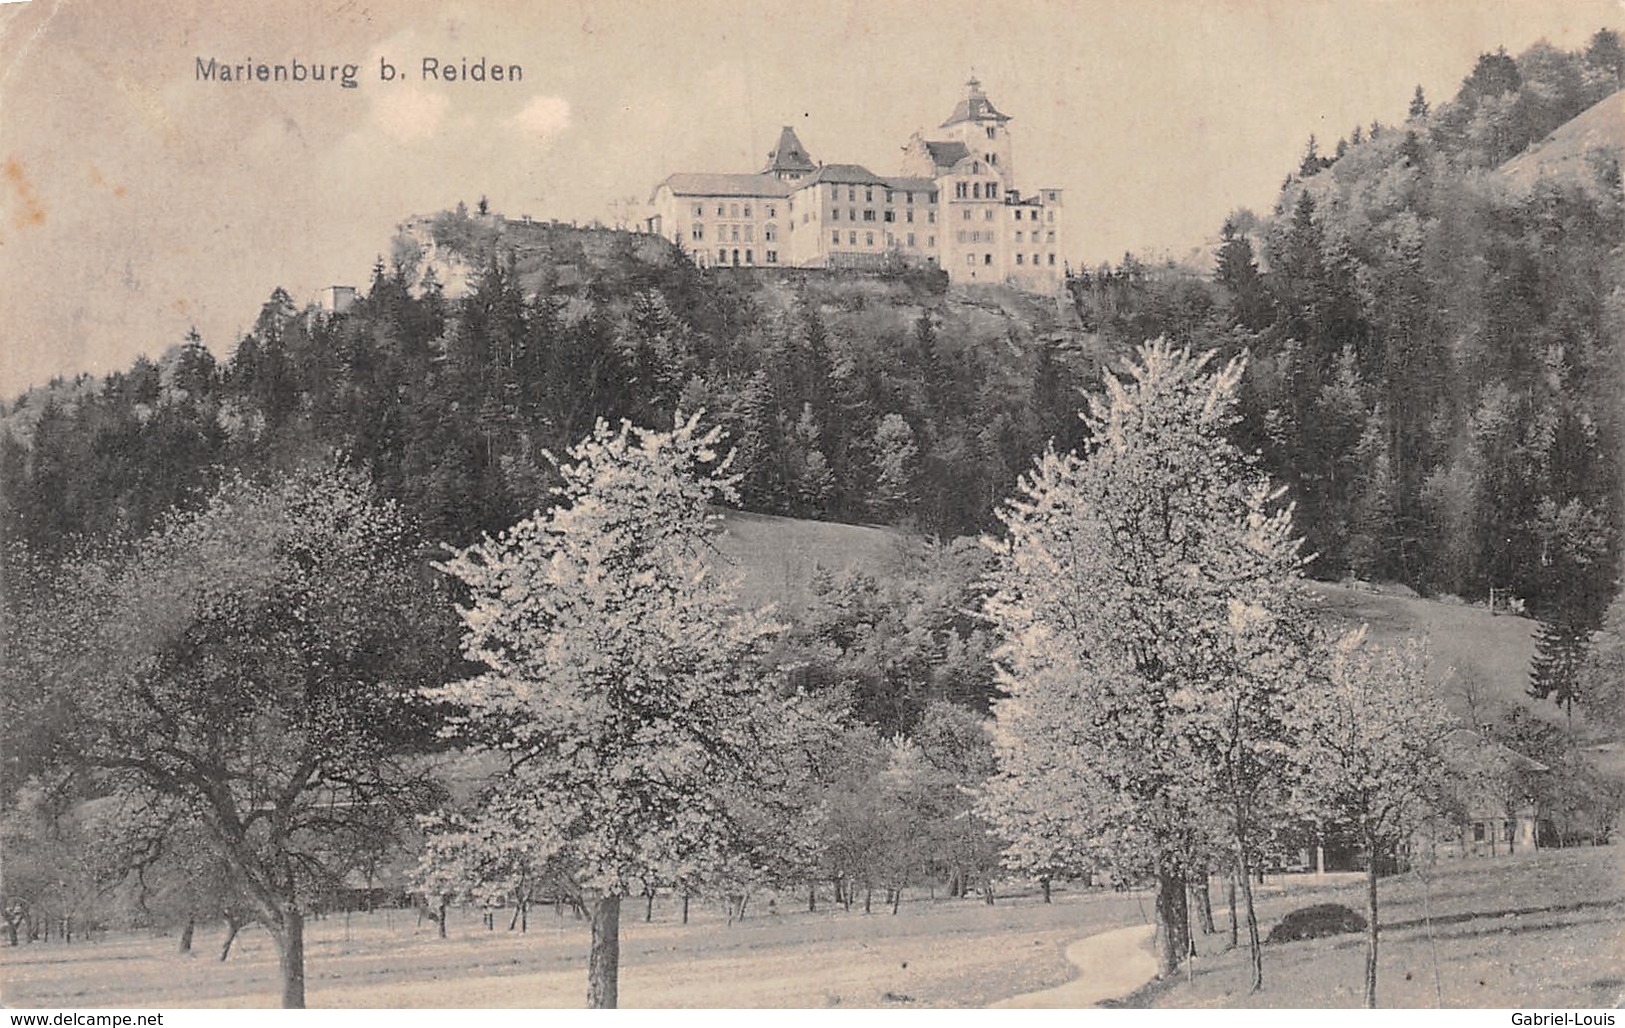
<point>954,204</point>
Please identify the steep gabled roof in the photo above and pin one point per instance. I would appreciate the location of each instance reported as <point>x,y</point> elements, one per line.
<point>709,184</point>
<point>789,155</point>
<point>975,107</point>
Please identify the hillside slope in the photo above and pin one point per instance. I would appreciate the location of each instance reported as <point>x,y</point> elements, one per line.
<point>1573,151</point>
<point>1472,651</point>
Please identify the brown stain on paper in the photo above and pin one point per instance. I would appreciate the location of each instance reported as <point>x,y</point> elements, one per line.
<point>30,212</point>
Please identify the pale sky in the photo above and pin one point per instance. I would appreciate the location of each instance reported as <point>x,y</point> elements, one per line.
<point>138,201</point>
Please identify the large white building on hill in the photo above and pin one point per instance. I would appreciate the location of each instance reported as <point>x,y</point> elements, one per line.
<point>954,204</point>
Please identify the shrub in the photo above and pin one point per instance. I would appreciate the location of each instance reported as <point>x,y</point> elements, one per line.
<point>1317,922</point>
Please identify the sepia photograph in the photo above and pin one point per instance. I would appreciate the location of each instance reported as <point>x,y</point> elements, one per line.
<point>841,505</point>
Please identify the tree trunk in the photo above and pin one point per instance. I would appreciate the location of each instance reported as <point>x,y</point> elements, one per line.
<point>896,898</point>
<point>1043,883</point>
<point>291,943</point>
<point>649,907</point>
<point>685,908</point>
<point>524,916</point>
<point>1371,923</point>
<point>1204,906</point>
<point>1254,950</point>
<point>233,926</point>
<point>987,891</point>
<point>604,960</point>
<point>1230,897</point>
<point>185,944</point>
<point>440,918</point>
<point>812,897</point>
<point>868,897</point>
<point>1173,931</point>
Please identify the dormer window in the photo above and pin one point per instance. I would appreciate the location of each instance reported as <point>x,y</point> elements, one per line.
<point>992,132</point>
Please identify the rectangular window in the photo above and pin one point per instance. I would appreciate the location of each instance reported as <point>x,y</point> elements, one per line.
<point>772,256</point>
<point>931,242</point>
<point>1050,236</point>
<point>852,239</point>
<point>699,231</point>
<point>834,214</point>
<point>1035,258</point>
<point>851,214</point>
<point>1051,216</point>
<point>909,216</point>
<point>722,212</point>
<point>987,258</point>
<point>1052,260</point>
<point>852,194</point>
<point>770,234</point>
<point>965,214</point>
<point>992,190</point>
<point>960,235</point>
<point>868,239</point>
<point>930,217</point>
<point>773,211</point>
<point>722,256</point>
<point>734,229</point>
<point>1018,258</point>
<point>911,239</point>
<point>1018,237</point>
<point>1018,213</point>
<point>834,192</point>
<point>750,233</point>
<point>889,216</point>
<point>733,210</point>
<point>992,132</point>
<point>747,210</point>
<point>987,215</point>
<point>748,258</point>
<point>699,210</point>
<point>975,190</point>
<point>835,237</point>
<point>888,196</point>
<point>868,215</point>
<point>891,240</point>
<point>970,258</point>
<point>908,197</point>
<point>961,190</point>
<point>933,196</point>
<point>868,194</point>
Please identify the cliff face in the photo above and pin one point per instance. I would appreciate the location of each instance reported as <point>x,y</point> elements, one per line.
<point>455,245</point>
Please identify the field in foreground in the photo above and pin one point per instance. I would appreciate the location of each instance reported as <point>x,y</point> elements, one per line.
<point>1542,929</point>
<point>957,953</point>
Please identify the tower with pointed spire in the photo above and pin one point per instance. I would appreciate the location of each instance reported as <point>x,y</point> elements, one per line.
<point>789,160</point>
<point>983,130</point>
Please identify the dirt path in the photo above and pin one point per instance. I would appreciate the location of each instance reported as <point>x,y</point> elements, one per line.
<point>1110,965</point>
